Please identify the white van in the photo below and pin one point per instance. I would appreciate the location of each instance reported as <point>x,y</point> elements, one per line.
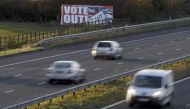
<point>151,86</point>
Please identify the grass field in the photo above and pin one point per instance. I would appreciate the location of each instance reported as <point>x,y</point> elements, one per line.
<point>24,49</point>
<point>10,28</point>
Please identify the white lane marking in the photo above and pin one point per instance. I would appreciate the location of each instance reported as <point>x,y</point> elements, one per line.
<point>43,58</point>
<point>159,36</point>
<point>160,53</point>
<point>18,75</point>
<point>137,49</point>
<point>172,41</point>
<point>187,38</point>
<point>151,55</point>
<point>112,105</point>
<point>179,81</point>
<point>97,69</point>
<point>37,59</point>
<point>141,58</point>
<point>178,49</point>
<point>9,91</point>
<point>155,45</point>
<point>120,63</point>
<point>42,83</point>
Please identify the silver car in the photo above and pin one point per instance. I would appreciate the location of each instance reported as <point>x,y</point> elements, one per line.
<point>65,70</point>
<point>107,49</point>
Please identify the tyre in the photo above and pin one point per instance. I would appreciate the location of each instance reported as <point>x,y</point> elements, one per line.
<point>50,81</point>
<point>131,104</point>
<point>169,102</point>
<point>120,57</point>
<point>95,57</point>
<point>114,57</point>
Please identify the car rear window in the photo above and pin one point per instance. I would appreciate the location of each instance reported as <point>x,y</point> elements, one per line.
<point>104,44</point>
<point>62,65</point>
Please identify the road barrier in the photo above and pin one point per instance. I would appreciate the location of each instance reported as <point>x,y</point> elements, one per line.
<point>18,40</point>
<point>90,84</point>
<point>113,32</point>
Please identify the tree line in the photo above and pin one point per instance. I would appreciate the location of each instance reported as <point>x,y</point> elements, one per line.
<point>134,10</point>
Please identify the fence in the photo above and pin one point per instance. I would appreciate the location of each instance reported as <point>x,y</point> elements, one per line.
<point>113,32</point>
<point>87,85</point>
<point>18,40</point>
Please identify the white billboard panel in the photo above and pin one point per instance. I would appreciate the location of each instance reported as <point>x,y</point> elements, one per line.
<point>74,14</point>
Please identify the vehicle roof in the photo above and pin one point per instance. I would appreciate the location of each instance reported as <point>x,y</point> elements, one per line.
<point>64,61</point>
<point>107,41</point>
<point>153,72</point>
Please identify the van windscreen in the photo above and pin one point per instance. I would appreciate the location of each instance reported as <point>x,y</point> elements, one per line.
<point>148,81</point>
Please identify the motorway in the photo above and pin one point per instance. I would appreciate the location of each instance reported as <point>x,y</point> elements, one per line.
<point>22,76</point>
<point>181,99</point>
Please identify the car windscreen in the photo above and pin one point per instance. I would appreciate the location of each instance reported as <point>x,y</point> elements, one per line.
<point>104,44</point>
<point>148,81</point>
<point>61,65</point>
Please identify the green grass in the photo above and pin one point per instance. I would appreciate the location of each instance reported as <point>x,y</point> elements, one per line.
<point>24,49</point>
<point>10,28</point>
<point>105,94</point>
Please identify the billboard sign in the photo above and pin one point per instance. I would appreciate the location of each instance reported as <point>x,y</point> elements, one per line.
<point>74,14</point>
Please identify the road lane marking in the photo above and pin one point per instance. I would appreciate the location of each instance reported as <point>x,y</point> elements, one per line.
<point>155,45</point>
<point>172,41</point>
<point>53,56</point>
<point>97,69</point>
<point>120,63</point>
<point>18,75</point>
<point>112,105</point>
<point>160,53</point>
<point>43,58</point>
<point>137,49</point>
<point>187,38</point>
<point>42,83</point>
<point>122,101</point>
<point>141,58</point>
<point>178,49</point>
<point>9,91</point>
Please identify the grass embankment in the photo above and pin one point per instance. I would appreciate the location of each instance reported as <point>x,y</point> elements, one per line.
<point>10,28</point>
<point>24,49</point>
<point>105,94</point>
<point>16,35</point>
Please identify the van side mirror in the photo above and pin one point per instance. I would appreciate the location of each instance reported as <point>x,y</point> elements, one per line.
<point>166,86</point>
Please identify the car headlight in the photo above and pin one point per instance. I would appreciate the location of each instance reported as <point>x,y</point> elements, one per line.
<point>131,92</point>
<point>157,94</point>
<point>93,51</point>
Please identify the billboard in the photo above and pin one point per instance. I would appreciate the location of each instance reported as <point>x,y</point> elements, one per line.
<point>74,14</point>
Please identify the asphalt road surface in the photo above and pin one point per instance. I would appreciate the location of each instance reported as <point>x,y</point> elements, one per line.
<point>22,76</point>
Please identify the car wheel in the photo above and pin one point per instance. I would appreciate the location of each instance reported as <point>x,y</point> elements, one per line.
<point>169,102</point>
<point>131,104</point>
<point>120,57</point>
<point>95,57</point>
<point>115,57</point>
<point>50,81</point>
